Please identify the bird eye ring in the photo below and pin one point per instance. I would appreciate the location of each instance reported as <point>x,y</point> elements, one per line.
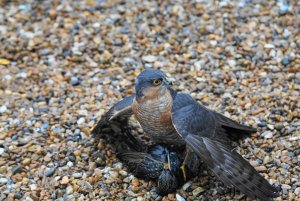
<point>157,82</point>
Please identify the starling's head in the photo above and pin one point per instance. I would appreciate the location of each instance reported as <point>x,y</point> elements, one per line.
<point>151,83</point>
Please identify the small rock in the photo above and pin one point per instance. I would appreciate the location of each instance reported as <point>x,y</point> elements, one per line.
<point>186,186</point>
<point>286,61</point>
<point>135,182</point>
<point>77,175</point>
<point>81,121</point>
<point>149,58</point>
<point>140,198</point>
<point>123,173</point>
<point>3,180</point>
<point>262,124</point>
<point>261,168</point>
<point>197,191</point>
<point>4,61</point>
<point>65,180</point>
<point>179,197</point>
<point>16,169</point>
<point>69,190</point>
<point>199,64</point>
<point>77,152</point>
<point>269,46</point>
<point>285,188</point>
<point>270,126</point>
<point>86,186</point>
<point>231,63</point>
<point>26,161</point>
<point>3,109</point>
<point>1,150</point>
<point>74,81</point>
<point>18,195</point>
<point>33,187</point>
<point>267,134</point>
<point>49,172</point>
<point>254,163</point>
<point>267,160</point>
<point>297,191</point>
<point>47,158</point>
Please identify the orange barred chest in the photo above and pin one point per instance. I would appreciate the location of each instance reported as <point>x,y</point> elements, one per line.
<point>154,115</point>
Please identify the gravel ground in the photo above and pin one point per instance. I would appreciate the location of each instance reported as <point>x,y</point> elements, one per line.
<point>64,63</point>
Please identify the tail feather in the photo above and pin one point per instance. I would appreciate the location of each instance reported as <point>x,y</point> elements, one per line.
<point>232,168</point>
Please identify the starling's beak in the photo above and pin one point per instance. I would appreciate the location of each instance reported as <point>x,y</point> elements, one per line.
<point>169,81</point>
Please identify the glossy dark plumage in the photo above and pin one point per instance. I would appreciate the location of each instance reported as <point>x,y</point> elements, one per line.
<point>146,162</point>
<point>203,131</point>
<point>153,165</point>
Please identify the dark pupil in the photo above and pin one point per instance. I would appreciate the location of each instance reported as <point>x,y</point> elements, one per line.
<point>156,81</point>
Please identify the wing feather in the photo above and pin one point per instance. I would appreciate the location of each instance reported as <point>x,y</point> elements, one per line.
<point>117,115</point>
<point>204,133</point>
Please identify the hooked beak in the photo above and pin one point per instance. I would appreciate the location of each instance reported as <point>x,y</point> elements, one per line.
<point>169,80</point>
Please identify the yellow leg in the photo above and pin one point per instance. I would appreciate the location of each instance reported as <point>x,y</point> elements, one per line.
<point>182,167</point>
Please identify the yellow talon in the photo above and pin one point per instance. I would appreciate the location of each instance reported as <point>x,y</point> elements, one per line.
<point>182,167</point>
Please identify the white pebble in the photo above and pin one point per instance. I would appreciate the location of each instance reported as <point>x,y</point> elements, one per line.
<point>186,186</point>
<point>297,191</point>
<point>179,197</point>
<point>80,121</point>
<point>269,46</point>
<point>1,151</point>
<point>267,134</point>
<point>149,58</point>
<point>3,109</point>
<point>69,190</point>
<point>199,64</point>
<point>231,63</point>
<point>33,187</point>
<point>3,180</point>
<point>294,138</point>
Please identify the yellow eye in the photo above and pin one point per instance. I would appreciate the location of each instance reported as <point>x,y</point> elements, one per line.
<point>157,82</point>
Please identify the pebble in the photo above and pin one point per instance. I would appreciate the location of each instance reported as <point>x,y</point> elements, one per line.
<point>77,175</point>
<point>75,81</point>
<point>262,124</point>
<point>297,191</point>
<point>285,188</point>
<point>261,168</point>
<point>16,169</point>
<point>18,195</point>
<point>186,186</point>
<point>2,150</point>
<point>3,180</point>
<point>197,191</point>
<point>65,180</point>
<point>81,121</point>
<point>267,134</point>
<point>286,61</point>
<point>49,172</point>
<point>149,58</point>
<point>26,161</point>
<point>33,187</point>
<point>69,190</point>
<point>3,109</point>
<point>86,186</point>
<point>179,197</point>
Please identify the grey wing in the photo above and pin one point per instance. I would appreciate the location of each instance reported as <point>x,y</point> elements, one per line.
<point>202,132</point>
<point>233,129</point>
<point>117,115</point>
<point>229,123</point>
